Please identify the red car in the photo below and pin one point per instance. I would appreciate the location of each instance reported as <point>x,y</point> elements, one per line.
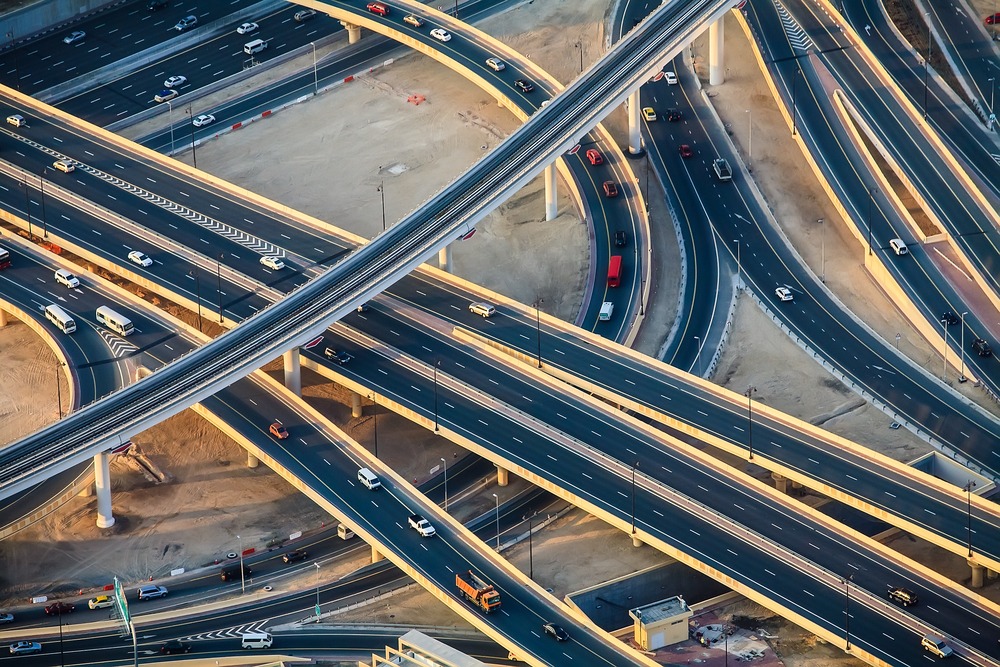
<point>992,20</point>
<point>610,189</point>
<point>595,156</point>
<point>378,8</point>
<point>57,608</point>
<point>278,431</point>
<point>686,151</point>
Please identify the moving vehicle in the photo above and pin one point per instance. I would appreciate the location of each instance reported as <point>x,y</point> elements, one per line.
<point>899,246</point>
<point>17,120</point>
<point>594,156</point>
<point>369,479</point>
<point>610,189</point>
<point>117,322</point>
<point>344,532</point>
<point>175,646</point>
<point>60,318</point>
<point>101,602</point>
<point>722,169</point>
<point>982,348</point>
<point>25,648</point>
<point>671,77</point>
<point>6,618</point>
<point>272,262</point>
<point>188,21</point>
<point>294,556</point>
<point>674,115</point>
<point>784,294</point>
<point>649,114</point>
<point>902,596</point>
<point>59,608</point>
<point>477,591</point>
<point>441,34</point>
<point>556,631</point>
<point>140,258</point>
<point>232,572</point>
<point>415,21</point>
<point>950,318</point>
<point>254,46</point>
<point>64,166</point>
<point>151,592</point>
<point>166,94</point>
<point>247,28</point>
<point>154,5</point>
<point>607,309</point>
<point>379,8</point>
<point>421,525</point>
<point>621,238</point>
<point>64,277</point>
<point>203,120</point>
<point>482,308</point>
<point>175,81</point>
<point>615,271</point>
<point>304,15</point>
<point>278,431</point>
<point>685,151</point>
<point>74,37</point>
<point>496,64</point>
<point>256,640</point>
<point>524,86</point>
<point>936,645</point>
<point>4,258</point>
<point>337,356</point>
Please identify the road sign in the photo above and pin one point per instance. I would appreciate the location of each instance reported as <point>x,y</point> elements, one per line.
<point>469,235</point>
<point>574,150</point>
<point>317,611</point>
<point>659,76</point>
<point>122,447</point>
<point>313,343</point>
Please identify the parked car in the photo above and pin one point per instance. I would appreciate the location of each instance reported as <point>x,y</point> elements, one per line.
<point>523,86</point>
<point>203,120</point>
<point>166,94</point>
<point>496,64</point>
<point>272,262</point>
<point>295,556</point>
<point>992,19</point>
<point>74,37</point>
<point>610,189</point>
<point>57,608</point>
<point>649,114</point>
<point>415,21</point>
<point>140,258</point>
<point>555,631</point>
<point>25,647</point>
<point>337,356</point>
<point>175,81</point>
<point>784,294</point>
<point>685,151</point>
<point>379,8</point>
<point>304,15</point>
<point>247,28</point>
<point>101,602</point>
<point>188,21</point>
<point>594,156</point>
<point>441,34</point>
<point>278,431</point>
<point>175,646</point>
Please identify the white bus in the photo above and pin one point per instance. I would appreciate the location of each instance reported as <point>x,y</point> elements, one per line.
<point>117,322</point>
<point>60,318</point>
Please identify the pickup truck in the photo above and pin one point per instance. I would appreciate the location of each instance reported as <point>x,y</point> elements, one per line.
<point>722,169</point>
<point>421,525</point>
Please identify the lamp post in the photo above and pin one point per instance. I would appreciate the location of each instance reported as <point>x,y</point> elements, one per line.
<point>579,45</point>
<point>697,355</point>
<point>927,18</point>
<point>59,366</point>
<point>634,466</point>
<point>218,275</point>
<point>739,272</point>
<point>243,583</point>
<point>197,287</point>
<point>498,521</point>
<point>822,246</point>
<point>531,560</point>
<point>749,394</point>
<point>170,119</point>
<point>795,76</point>
<point>944,351</point>
<point>445,462</point>
<point>27,207</point>
<point>41,190</point>
<point>968,493</point>
<point>750,141</point>
<point>375,424</point>
<point>315,73</point>
<point>62,662</point>
<point>381,192</point>
<point>847,611</point>
<point>871,203</point>
<point>993,115</point>
<point>317,591</point>
<point>194,153</point>
<point>897,342</point>
<point>437,364</point>
<point>961,377</point>
<point>538,332</point>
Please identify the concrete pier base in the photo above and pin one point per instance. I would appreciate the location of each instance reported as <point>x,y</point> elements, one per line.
<point>3,317</point>
<point>353,32</point>
<point>293,371</point>
<point>503,476</point>
<point>636,542</point>
<point>355,404</point>
<point>252,461</point>
<point>444,258</point>
<point>977,575</point>
<point>780,482</point>
<point>376,555</point>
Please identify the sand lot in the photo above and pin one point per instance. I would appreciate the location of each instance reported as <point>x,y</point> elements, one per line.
<point>364,135</point>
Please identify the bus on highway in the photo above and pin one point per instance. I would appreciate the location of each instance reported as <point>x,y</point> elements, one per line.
<point>615,271</point>
<point>59,317</point>
<point>118,323</point>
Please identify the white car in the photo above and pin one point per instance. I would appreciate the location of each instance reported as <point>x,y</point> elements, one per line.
<point>441,34</point>
<point>203,120</point>
<point>247,28</point>
<point>175,82</point>
<point>64,166</point>
<point>671,77</point>
<point>25,647</point>
<point>74,37</point>
<point>272,262</point>
<point>140,258</point>
<point>496,64</point>
<point>165,94</point>
<point>64,277</point>
<point>784,294</point>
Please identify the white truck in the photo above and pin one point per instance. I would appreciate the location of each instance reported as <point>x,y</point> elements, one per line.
<point>607,308</point>
<point>421,525</point>
<point>722,169</point>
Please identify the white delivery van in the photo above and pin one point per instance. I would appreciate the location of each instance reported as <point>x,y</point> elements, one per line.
<point>898,246</point>
<point>606,309</point>
<point>256,640</point>
<point>254,46</point>
<point>368,478</point>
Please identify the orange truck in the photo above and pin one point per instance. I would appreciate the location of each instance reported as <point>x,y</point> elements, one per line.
<point>477,591</point>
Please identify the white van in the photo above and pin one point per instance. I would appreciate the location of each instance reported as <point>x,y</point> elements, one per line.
<point>343,532</point>
<point>117,322</point>
<point>64,277</point>
<point>256,640</point>
<point>255,46</point>
<point>60,318</point>
<point>898,246</point>
<point>607,308</point>
<point>368,478</point>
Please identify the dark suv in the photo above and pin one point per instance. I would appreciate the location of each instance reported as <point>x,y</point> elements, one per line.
<point>231,572</point>
<point>902,596</point>
<point>982,348</point>
<point>293,556</point>
<point>950,318</point>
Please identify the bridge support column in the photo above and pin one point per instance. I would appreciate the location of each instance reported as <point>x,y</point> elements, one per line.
<point>252,461</point>
<point>355,404</point>
<point>551,193</point>
<point>977,575</point>
<point>3,317</point>
<point>353,32</point>
<point>444,258</point>
<point>102,483</point>
<point>503,476</point>
<point>293,372</point>
<point>87,491</point>
<point>376,555</point>
<point>780,482</point>
<point>636,542</point>
<point>634,136</point>
<point>716,56</point>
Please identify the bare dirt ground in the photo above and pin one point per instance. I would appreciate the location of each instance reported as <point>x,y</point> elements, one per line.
<point>194,518</point>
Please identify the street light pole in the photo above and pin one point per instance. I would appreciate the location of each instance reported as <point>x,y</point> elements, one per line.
<point>437,364</point>
<point>538,332</point>
<point>445,462</point>
<point>197,287</point>
<point>847,611</point>
<point>194,153</point>
<point>315,73</point>
<point>697,355</point>
<point>961,377</point>
<point>62,660</point>
<point>822,246</point>
<point>170,119</point>
<point>498,521</point>
<point>41,190</point>
<point>750,141</point>
<point>795,76</point>
<point>27,207</point>
<point>634,466</point>
<point>927,18</point>
<point>243,583</point>
<point>218,274</point>
<point>968,491</point>
<point>375,424</point>
<point>579,45</point>
<point>317,592</point>
<point>59,366</point>
<point>944,352</point>
<point>749,394</point>
<point>871,203</point>
<point>381,191</point>
<point>739,272</point>
<point>531,560</point>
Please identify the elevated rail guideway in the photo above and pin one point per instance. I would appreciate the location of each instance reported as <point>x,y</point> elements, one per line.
<point>313,307</point>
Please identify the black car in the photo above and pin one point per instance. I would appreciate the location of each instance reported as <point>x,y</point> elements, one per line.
<point>950,318</point>
<point>556,631</point>
<point>336,355</point>
<point>232,572</point>
<point>902,596</point>
<point>621,239</point>
<point>175,646</point>
<point>674,115</point>
<point>293,556</point>
<point>982,348</point>
<point>524,86</point>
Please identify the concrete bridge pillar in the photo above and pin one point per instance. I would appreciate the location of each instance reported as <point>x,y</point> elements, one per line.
<point>503,476</point>
<point>780,482</point>
<point>716,56</point>
<point>634,136</point>
<point>551,193</point>
<point>355,404</point>
<point>991,574</point>
<point>636,541</point>
<point>102,483</point>
<point>444,258</point>
<point>293,372</point>
<point>87,491</point>
<point>252,461</point>
<point>3,317</point>
<point>376,555</point>
<point>353,32</point>
<point>977,575</point>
